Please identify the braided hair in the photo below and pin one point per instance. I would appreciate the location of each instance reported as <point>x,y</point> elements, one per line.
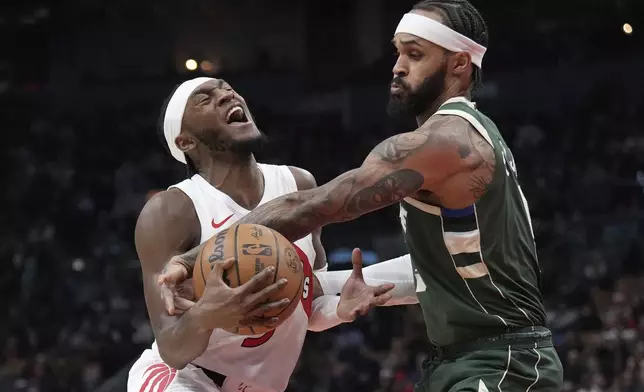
<point>462,17</point>
<point>190,165</point>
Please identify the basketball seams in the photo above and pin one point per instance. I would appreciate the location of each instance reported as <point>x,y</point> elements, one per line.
<point>237,257</point>
<point>277,259</point>
<point>280,246</point>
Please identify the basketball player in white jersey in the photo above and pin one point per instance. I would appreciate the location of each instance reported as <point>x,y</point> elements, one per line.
<point>208,127</point>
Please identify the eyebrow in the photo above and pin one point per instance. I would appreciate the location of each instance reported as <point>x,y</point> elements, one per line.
<point>208,89</point>
<point>410,41</point>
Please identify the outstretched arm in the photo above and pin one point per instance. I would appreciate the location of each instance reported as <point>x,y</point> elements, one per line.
<point>444,147</point>
<point>383,179</point>
<point>329,285</point>
<point>398,271</point>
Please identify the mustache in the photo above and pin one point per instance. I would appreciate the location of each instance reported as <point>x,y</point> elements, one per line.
<point>400,82</point>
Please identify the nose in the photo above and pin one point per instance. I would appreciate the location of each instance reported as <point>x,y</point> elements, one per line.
<point>224,96</point>
<point>400,68</point>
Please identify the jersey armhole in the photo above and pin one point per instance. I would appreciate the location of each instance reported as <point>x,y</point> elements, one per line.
<point>184,187</point>
<point>289,178</point>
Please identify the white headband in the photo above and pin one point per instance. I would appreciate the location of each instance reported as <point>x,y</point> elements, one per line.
<point>433,31</point>
<point>174,114</point>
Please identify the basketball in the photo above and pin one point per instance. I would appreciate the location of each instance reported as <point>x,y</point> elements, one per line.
<point>254,247</point>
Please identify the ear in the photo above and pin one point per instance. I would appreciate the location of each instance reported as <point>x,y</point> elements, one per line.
<point>460,63</point>
<point>185,142</point>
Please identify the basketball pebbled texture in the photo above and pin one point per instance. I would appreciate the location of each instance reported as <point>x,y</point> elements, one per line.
<point>254,247</point>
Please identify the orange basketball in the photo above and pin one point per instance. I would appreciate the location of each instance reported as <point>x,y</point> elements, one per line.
<point>254,247</point>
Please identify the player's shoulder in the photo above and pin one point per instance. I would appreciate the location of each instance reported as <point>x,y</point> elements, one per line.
<point>440,125</point>
<point>457,131</point>
<point>303,178</point>
<point>165,208</point>
<point>166,226</point>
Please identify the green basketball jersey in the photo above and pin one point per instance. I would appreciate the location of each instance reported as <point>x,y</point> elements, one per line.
<point>476,269</point>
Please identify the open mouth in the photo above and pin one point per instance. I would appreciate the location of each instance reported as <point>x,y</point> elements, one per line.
<point>236,115</point>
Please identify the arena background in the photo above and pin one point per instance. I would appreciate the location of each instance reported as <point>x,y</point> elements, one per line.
<point>81,86</point>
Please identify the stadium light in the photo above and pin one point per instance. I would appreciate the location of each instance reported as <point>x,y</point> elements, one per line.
<point>207,66</point>
<point>191,65</point>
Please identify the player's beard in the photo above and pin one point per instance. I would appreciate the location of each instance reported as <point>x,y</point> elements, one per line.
<point>413,103</point>
<point>241,148</point>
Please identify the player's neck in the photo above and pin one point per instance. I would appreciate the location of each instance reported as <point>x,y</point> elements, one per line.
<point>239,177</point>
<point>433,108</point>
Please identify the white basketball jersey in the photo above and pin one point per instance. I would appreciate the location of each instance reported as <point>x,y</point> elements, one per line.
<point>267,360</point>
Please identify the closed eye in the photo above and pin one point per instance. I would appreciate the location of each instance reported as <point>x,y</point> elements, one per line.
<point>202,98</point>
<point>414,55</point>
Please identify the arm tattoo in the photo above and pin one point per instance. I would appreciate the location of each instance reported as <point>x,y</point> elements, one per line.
<point>386,177</point>
<point>349,196</point>
<point>388,190</point>
<point>189,259</point>
<point>483,171</point>
<point>478,185</point>
<point>397,148</point>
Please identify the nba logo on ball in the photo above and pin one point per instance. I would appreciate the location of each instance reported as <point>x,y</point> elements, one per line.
<point>257,250</point>
<point>253,248</point>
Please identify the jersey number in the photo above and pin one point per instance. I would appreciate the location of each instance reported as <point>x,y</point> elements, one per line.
<point>511,167</point>
<point>256,342</point>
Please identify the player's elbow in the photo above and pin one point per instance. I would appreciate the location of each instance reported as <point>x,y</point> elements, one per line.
<point>179,346</point>
<point>171,356</point>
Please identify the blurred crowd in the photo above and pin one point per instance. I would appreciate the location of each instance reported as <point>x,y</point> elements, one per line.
<point>75,313</point>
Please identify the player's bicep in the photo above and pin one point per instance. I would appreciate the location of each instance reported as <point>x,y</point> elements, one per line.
<point>446,150</point>
<point>378,183</point>
<point>161,233</point>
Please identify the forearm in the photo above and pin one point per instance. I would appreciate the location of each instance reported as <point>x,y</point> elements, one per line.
<point>298,214</point>
<point>398,271</point>
<point>291,215</point>
<point>183,341</point>
<point>189,259</point>
<point>324,313</point>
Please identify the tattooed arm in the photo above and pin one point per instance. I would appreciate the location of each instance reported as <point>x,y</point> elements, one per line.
<point>446,156</point>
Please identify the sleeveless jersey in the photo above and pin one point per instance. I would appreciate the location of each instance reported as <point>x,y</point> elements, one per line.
<point>266,361</point>
<point>476,268</point>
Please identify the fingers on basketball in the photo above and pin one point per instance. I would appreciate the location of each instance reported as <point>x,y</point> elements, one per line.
<point>264,294</point>
<point>258,281</point>
<point>216,276</point>
<point>269,307</point>
<point>254,321</point>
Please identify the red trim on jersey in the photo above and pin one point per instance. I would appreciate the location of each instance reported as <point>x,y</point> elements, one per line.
<point>254,342</point>
<point>307,299</point>
<point>307,287</point>
<point>159,374</point>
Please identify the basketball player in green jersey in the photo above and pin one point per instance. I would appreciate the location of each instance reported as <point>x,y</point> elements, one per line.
<point>465,219</point>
